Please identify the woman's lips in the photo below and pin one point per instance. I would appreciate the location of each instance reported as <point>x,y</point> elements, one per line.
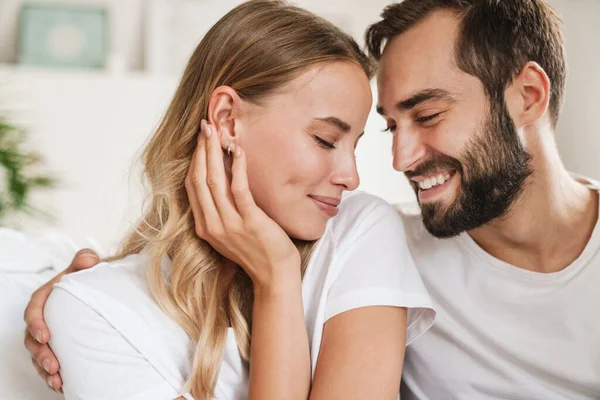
<point>329,205</point>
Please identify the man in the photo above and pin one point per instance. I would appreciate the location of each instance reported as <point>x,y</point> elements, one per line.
<point>471,91</point>
<point>507,241</point>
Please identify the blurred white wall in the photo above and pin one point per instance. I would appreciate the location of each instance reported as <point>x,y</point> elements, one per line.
<point>127,20</point>
<point>90,126</point>
<point>578,134</point>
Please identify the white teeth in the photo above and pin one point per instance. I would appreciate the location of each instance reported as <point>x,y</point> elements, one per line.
<point>433,181</point>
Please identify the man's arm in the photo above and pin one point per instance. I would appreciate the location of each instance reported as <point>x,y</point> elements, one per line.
<point>37,333</point>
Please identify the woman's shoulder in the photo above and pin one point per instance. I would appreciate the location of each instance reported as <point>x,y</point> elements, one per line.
<point>112,288</point>
<point>116,293</point>
<point>119,283</point>
<point>104,322</point>
<point>111,276</point>
<point>360,212</point>
<point>360,206</point>
<point>94,295</point>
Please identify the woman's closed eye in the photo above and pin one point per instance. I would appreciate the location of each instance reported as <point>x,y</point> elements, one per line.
<point>324,143</point>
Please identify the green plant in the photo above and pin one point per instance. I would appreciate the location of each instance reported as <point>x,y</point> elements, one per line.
<point>17,180</point>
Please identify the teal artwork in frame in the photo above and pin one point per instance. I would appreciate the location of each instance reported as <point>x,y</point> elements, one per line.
<point>68,36</point>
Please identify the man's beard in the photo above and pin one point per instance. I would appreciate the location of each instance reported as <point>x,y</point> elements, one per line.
<point>493,171</point>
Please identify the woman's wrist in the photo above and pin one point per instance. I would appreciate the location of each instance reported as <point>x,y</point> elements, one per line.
<point>285,279</point>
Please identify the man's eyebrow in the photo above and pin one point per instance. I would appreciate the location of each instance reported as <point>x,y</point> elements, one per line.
<point>421,97</point>
<point>338,123</point>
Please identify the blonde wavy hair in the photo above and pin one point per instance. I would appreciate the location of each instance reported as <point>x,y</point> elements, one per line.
<point>256,48</point>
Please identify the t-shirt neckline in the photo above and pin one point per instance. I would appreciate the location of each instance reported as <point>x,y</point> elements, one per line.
<point>592,247</point>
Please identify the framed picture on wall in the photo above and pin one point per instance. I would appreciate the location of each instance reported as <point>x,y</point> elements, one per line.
<point>53,35</point>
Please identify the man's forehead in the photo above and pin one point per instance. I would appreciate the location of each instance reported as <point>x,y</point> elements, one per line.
<point>419,59</point>
<point>396,84</point>
<point>429,43</point>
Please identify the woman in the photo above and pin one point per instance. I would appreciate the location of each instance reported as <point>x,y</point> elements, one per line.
<point>247,278</point>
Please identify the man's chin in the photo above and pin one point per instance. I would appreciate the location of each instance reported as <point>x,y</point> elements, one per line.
<point>440,220</point>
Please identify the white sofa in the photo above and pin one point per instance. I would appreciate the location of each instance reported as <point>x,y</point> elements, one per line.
<point>26,262</point>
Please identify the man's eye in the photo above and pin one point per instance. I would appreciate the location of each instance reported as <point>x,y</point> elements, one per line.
<point>428,118</point>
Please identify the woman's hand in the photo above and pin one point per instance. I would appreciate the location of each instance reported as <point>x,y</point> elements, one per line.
<point>227,217</point>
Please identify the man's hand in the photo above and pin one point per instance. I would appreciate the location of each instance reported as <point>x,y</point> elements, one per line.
<point>37,334</point>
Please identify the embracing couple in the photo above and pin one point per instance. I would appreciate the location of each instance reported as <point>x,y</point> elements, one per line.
<point>257,272</point>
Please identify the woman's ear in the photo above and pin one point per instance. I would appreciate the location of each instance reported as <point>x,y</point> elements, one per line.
<point>528,96</point>
<point>224,111</point>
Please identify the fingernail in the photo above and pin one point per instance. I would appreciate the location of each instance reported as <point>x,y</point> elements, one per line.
<point>38,336</point>
<point>88,254</point>
<point>208,131</point>
<point>46,365</point>
<point>49,381</point>
<point>238,151</point>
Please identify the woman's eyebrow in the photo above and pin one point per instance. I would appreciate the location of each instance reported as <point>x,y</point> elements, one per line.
<point>338,123</point>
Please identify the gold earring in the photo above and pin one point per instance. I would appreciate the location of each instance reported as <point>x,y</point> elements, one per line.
<point>229,150</point>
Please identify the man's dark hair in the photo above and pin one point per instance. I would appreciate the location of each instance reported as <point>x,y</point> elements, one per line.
<point>496,39</point>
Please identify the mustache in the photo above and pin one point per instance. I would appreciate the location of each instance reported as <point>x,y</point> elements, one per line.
<point>433,164</point>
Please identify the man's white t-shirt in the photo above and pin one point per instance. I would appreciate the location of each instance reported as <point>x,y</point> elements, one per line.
<point>114,342</point>
<point>502,332</point>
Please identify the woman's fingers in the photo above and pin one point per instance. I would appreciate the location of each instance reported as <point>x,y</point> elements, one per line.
<point>212,219</point>
<point>217,181</point>
<point>239,185</point>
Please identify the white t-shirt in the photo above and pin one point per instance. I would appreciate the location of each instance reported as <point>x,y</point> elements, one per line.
<point>114,342</point>
<point>502,332</point>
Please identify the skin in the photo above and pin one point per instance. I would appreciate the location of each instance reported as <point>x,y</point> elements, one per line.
<point>37,334</point>
<point>309,129</point>
<point>549,224</point>
<point>295,144</point>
